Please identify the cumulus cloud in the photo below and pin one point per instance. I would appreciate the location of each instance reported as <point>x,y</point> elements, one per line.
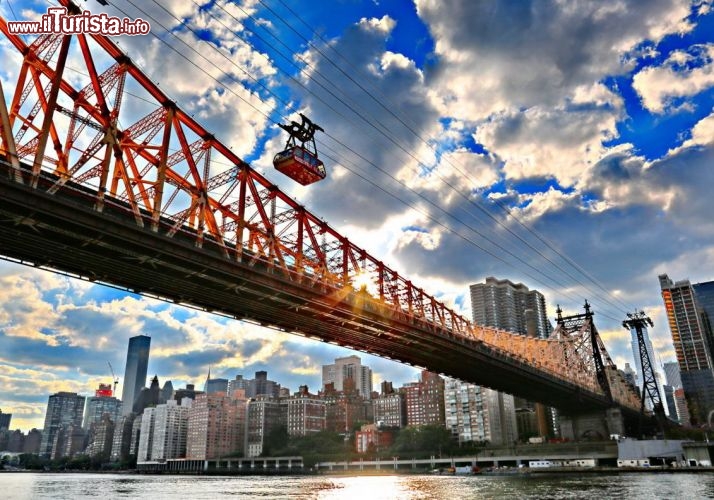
<point>502,55</point>
<point>560,142</point>
<point>702,134</point>
<point>683,74</point>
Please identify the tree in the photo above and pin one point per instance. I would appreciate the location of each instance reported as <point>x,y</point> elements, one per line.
<point>424,441</point>
<point>276,441</point>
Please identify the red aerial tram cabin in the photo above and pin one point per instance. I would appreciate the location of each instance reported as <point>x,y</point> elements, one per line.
<point>299,161</point>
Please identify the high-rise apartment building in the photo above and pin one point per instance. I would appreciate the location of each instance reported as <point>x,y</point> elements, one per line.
<point>690,326</point>
<point>424,400</point>
<point>170,430</point>
<point>705,301</point>
<point>164,431</point>
<point>167,392</point>
<point>348,367</point>
<point>346,408</point>
<point>668,396</point>
<point>264,414</point>
<point>680,403</point>
<point>189,392</point>
<point>464,406</point>
<point>12,441</point>
<point>389,408</point>
<point>236,384</point>
<point>121,441</point>
<point>137,364</point>
<point>64,411</point>
<point>135,435</point>
<point>101,436</point>
<point>515,308</point>
<point>148,396</point>
<point>68,441</point>
<point>673,382</point>
<point>98,405</point>
<point>216,426</point>
<point>145,435</point>
<point>503,423</point>
<point>306,413</point>
<point>510,306</point>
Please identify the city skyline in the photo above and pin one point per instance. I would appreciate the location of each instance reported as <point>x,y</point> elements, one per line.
<point>311,378</point>
<point>600,139</point>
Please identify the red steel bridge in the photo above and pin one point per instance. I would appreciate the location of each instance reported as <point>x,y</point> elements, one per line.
<point>155,204</point>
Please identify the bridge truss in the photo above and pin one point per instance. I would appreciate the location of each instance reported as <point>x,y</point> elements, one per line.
<point>66,132</point>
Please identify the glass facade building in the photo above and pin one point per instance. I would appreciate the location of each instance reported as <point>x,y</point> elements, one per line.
<point>689,308</point>
<point>137,363</point>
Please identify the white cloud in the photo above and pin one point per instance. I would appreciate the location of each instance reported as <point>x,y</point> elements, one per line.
<point>538,204</point>
<point>682,75</point>
<point>702,134</point>
<point>505,55</point>
<point>559,142</point>
<point>462,169</point>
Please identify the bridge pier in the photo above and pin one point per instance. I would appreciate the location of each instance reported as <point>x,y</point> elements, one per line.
<point>595,425</point>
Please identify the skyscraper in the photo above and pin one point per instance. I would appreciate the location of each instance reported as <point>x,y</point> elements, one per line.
<point>690,325</point>
<point>5,420</point>
<point>630,375</point>
<point>260,385</point>
<point>137,363</point>
<point>515,308</point>
<point>510,306</point>
<point>673,384</point>
<point>671,371</point>
<point>348,367</point>
<point>98,405</point>
<point>64,411</point>
<point>705,301</point>
<point>215,384</point>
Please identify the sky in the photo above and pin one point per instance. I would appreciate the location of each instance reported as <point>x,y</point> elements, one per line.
<point>568,146</point>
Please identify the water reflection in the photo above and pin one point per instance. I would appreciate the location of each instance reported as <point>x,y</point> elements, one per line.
<point>586,486</point>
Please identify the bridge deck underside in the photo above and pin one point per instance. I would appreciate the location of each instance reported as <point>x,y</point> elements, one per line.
<point>66,233</point>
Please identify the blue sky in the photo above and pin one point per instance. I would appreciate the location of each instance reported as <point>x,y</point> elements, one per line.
<point>463,140</point>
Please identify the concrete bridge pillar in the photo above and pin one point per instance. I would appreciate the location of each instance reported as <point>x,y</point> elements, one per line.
<point>593,425</point>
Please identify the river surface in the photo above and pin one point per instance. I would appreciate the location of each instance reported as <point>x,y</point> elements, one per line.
<point>551,486</point>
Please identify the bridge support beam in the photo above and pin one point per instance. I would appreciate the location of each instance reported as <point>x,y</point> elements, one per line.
<point>595,425</point>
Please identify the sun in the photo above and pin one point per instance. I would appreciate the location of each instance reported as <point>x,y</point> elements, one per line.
<point>363,281</point>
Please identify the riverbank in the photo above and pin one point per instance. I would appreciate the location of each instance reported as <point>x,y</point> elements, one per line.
<point>523,471</point>
<point>506,471</point>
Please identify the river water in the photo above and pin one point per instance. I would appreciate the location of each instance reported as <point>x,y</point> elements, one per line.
<point>551,486</point>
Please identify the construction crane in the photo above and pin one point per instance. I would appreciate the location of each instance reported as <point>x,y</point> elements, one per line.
<point>114,377</point>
